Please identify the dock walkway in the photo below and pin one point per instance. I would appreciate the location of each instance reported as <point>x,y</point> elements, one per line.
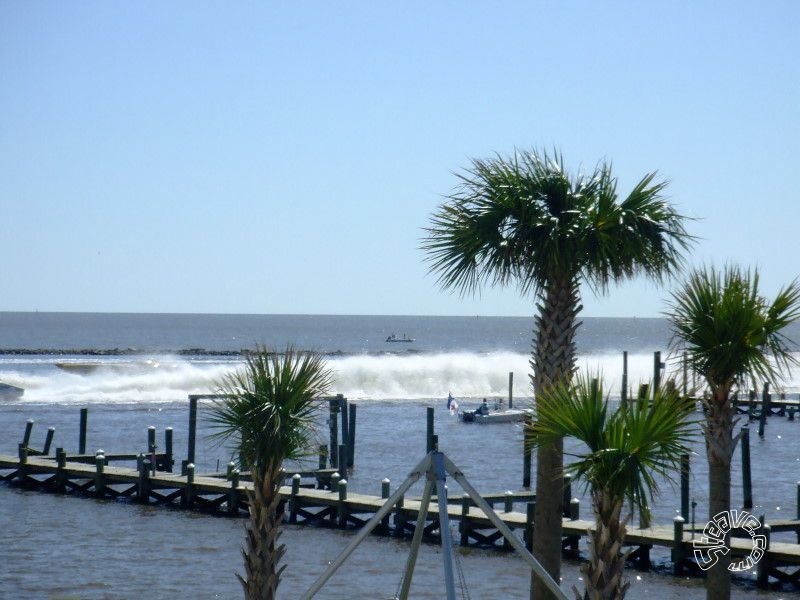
<point>308,502</point>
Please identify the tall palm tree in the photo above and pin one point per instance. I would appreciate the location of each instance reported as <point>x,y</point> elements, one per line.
<point>626,449</point>
<point>524,220</point>
<point>268,414</point>
<point>732,336</point>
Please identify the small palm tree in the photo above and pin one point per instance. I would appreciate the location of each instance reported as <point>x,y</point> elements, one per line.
<point>268,413</point>
<point>626,449</point>
<point>526,221</point>
<point>732,337</point>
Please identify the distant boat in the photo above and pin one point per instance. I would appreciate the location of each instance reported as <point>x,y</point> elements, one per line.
<point>10,392</point>
<point>394,338</point>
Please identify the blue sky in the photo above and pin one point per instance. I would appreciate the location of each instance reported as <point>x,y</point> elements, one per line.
<point>284,157</point>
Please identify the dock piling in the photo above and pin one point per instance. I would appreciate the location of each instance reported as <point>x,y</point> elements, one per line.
<point>685,472</point>
<point>765,409</point>
<point>747,485</point>
<point>100,464</point>
<point>26,439</point>
<point>511,389</point>
<point>48,441</point>
<point>351,437</point>
<point>678,552</point>
<point>82,435</point>
<point>168,455</point>
<point>623,398</point>
<point>192,443</point>
<point>429,435</point>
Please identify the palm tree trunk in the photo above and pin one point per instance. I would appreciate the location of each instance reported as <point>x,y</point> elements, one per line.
<point>553,360</point>
<point>262,554</point>
<point>604,571</point>
<point>720,446</point>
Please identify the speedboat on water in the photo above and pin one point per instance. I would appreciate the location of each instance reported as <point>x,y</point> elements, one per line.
<point>394,338</point>
<point>497,414</point>
<point>10,392</point>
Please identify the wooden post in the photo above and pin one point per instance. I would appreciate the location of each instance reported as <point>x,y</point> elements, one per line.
<point>190,457</point>
<point>574,515</point>
<point>530,510</point>
<point>399,517</point>
<point>26,439</point>
<point>343,460</point>
<point>678,553</point>
<point>341,509</point>
<point>293,501</point>
<point>23,454</point>
<point>657,366</point>
<point>61,476</point>
<point>168,450</point>
<point>386,486</point>
<point>685,374</point>
<point>82,435</point>
<point>747,486</point>
<point>429,436</point>
<point>511,389</point>
<point>623,397</point>
<point>567,497</point>
<point>100,463</point>
<point>333,408</point>
<point>464,525</point>
<point>323,456</point>
<point>351,438</point>
<point>343,408</point>
<point>143,490</point>
<point>233,494</point>
<point>188,491</point>
<point>762,568</point>
<point>526,455</point>
<point>685,472</point>
<point>762,418</point>
<point>48,441</point>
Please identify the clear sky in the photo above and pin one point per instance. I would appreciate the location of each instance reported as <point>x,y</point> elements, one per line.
<point>283,157</point>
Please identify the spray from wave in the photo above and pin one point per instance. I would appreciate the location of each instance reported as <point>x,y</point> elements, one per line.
<point>358,377</point>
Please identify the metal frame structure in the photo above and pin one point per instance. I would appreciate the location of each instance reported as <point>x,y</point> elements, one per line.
<point>434,467</point>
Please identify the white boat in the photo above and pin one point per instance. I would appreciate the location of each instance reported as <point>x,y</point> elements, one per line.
<point>10,392</point>
<point>497,414</point>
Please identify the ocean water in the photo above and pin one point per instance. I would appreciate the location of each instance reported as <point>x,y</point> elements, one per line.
<point>146,365</point>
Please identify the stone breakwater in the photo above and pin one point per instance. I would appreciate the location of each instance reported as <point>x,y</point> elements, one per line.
<point>117,352</point>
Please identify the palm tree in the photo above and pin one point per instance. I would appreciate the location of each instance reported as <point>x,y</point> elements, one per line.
<point>625,450</point>
<point>268,413</point>
<point>524,220</point>
<point>732,336</point>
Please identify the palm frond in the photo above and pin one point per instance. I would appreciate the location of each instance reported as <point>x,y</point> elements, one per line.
<point>268,409</point>
<point>525,220</point>
<point>626,450</point>
<point>729,331</point>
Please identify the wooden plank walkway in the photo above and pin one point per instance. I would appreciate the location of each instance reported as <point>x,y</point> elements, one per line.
<point>343,509</point>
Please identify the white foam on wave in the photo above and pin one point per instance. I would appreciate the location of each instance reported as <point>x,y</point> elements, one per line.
<point>465,375</point>
<point>358,377</point>
<point>115,382</point>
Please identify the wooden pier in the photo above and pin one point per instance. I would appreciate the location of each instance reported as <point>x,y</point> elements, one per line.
<point>323,499</point>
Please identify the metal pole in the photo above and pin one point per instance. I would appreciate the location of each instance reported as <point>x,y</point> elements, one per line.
<point>504,530</point>
<point>444,525</point>
<point>417,539</point>
<point>387,507</point>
